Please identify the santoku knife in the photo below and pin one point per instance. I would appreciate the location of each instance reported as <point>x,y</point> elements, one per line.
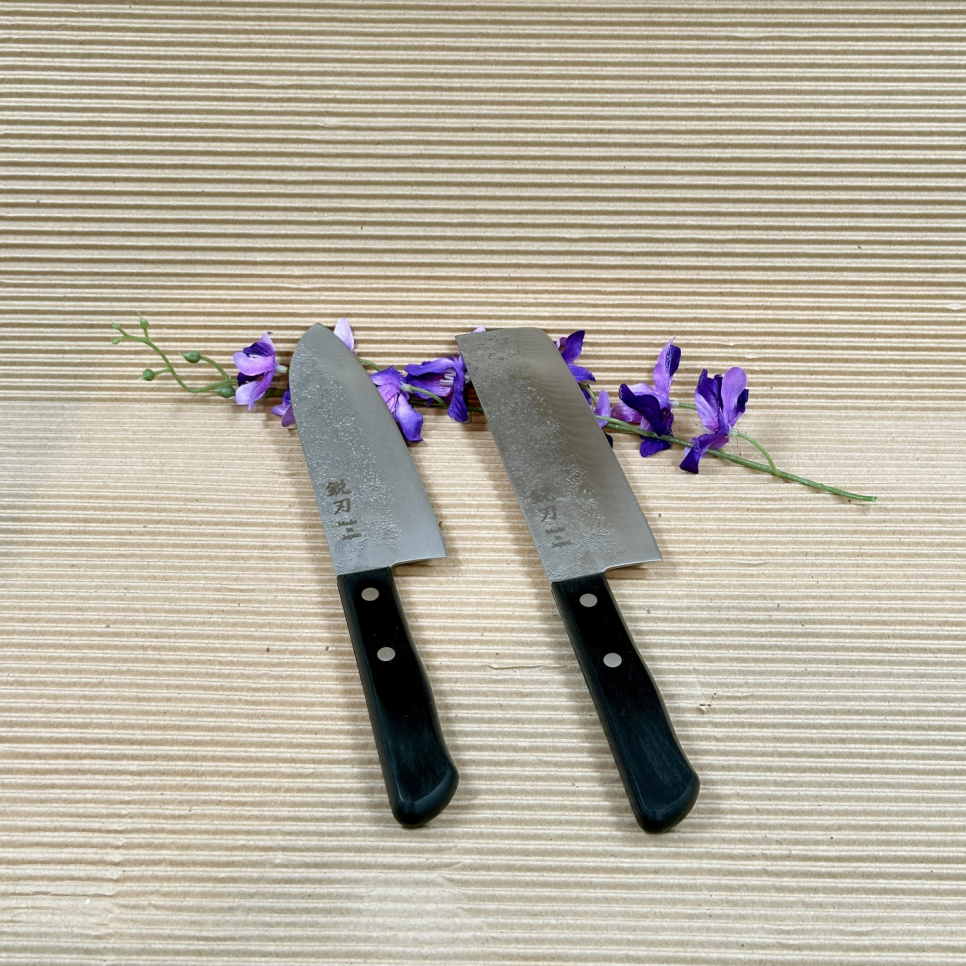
<point>376,514</point>
<point>584,520</point>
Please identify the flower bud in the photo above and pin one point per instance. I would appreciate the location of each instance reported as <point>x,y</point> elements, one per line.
<point>226,392</point>
<point>192,356</point>
<point>148,375</point>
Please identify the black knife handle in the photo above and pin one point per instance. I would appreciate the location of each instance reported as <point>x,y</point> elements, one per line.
<point>420,775</point>
<point>660,782</point>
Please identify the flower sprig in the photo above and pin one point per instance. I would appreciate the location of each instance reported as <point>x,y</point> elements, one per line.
<point>223,386</point>
<point>645,411</point>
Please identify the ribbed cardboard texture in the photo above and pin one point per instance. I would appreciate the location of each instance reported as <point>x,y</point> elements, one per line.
<point>187,774</point>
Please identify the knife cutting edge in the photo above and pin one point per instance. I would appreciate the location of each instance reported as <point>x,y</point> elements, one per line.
<point>585,520</point>
<point>376,514</point>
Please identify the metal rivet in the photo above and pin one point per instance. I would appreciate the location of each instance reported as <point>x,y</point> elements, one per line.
<point>588,600</point>
<point>385,653</point>
<point>613,660</point>
<point>370,593</point>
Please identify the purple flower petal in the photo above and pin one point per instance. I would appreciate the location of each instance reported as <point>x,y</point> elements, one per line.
<point>457,405</point>
<point>284,409</point>
<point>734,395</point>
<point>249,392</point>
<point>571,346</point>
<point>256,370</point>
<point>344,331</point>
<point>664,369</point>
<point>691,457</point>
<point>390,383</point>
<point>410,422</point>
<point>581,374</point>
<point>651,446</point>
<point>721,401</point>
<point>435,367</point>
<point>258,358</point>
<point>446,378</point>
<point>707,398</point>
<point>623,411</point>
<point>653,416</point>
<point>603,407</point>
<point>699,446</point>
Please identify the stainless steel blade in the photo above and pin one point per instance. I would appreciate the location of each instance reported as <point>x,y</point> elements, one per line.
<point>371,498</point>
<point>577,502</point>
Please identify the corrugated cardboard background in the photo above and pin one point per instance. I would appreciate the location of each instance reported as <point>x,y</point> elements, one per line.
<point>186,769</point>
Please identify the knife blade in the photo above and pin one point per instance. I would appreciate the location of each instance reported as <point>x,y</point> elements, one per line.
<point>584,520</point>
<point>375,514</point>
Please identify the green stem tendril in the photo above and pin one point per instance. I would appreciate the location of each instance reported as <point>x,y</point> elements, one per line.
<point>191,357</point>
<point>751,439</point>
<point>754,442</point>
<point>369,364</point>
<point>771,469</point>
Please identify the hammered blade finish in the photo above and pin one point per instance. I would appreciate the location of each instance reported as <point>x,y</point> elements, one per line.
<point>372,501</point>
<point>581,511</point>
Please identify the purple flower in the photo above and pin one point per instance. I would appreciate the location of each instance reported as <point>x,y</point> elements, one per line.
<point>284,409</point>
<point>446,378</point>
<point>603,408</point>
<point>664,369</point>
<point>650,406</point>
<point>256,370</point>
<point>720,402</point>
<point>390,384</point>
<point>570,347</point>
<point>344,331</point>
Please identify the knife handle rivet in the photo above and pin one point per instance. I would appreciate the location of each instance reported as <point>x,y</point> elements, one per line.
<point>370,593</point>
<point>588,600</point>
<point>385,653</point>
<point>613,660</point>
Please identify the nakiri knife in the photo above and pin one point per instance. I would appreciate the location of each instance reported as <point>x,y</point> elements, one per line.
<point>376,514</point>
<point>585,520</point>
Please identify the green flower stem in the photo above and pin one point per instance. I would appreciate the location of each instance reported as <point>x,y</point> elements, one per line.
<point>225,378</point>
<point>754,442</point>
<point>423,392</point>
<point>168,366</point>
<point>625,427</point>
<point>369,364</point>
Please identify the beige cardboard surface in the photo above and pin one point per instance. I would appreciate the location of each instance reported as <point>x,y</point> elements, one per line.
<point>187,774</point>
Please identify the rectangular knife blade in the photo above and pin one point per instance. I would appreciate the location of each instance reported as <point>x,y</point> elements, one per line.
<point>580,509</point>
<point>585,520</point>
<point>376,514</point>
<point>372,501</point>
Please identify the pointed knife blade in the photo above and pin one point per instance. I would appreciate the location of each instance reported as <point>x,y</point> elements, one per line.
<point>585,520</point>
<point>376,514</point>
<point>372,501</point>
